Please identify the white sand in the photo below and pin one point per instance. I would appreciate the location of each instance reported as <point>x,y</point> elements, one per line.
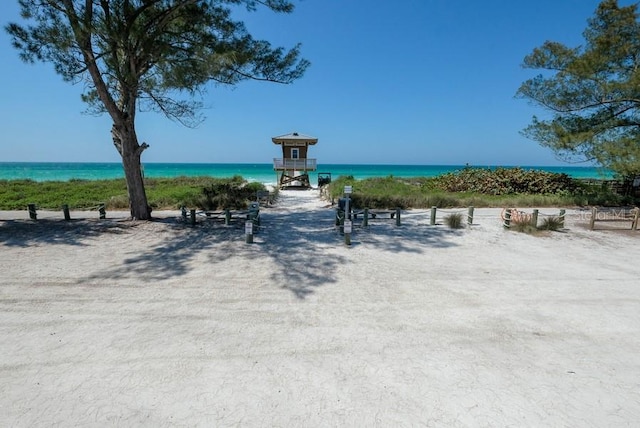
<point>113,323</point>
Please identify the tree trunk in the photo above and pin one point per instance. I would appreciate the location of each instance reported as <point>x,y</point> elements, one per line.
<point>138,205</point>
<point>126,141</point>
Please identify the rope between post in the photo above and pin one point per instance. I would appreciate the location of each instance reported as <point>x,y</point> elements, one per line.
<point>451,211</point>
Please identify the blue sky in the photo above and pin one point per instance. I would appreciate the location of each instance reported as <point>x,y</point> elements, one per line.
<point>391,82</point>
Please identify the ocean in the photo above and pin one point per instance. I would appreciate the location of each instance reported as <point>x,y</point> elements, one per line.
<point>262,172</point>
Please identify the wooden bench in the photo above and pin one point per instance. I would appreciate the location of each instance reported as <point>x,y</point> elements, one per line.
<point>227,216</point>
<point>264,197</point>
<point>374,214</point>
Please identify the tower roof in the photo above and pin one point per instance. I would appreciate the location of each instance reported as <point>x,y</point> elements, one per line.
<point>295,137</point>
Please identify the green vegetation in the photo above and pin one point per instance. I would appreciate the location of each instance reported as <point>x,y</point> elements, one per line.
<point>590,92</point>
<point>501,187</point>
<point>551,223</point>
<point>163,193</point>
<point>454,221</point>
<point>506,181</point>
<point>234,193</point>
<point>523,225</point>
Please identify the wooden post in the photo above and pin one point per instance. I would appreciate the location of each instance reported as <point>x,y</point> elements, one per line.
<point>102,210</point>
<point>507,218</point>
<point>636,218</point>
<point>534,218</point>
<point>32,211</point>
<point>184,213</point>
<point>65,211</point>
<point>561,217</point>
<point>398,216</point>
<point>193,217</point>
<point>227,216</point>
<point>254,216</point>
<point>365,219</point>
<point>432,220</point>
<point>594,214</point>
<point>470,216</point>
<point>347,232</point>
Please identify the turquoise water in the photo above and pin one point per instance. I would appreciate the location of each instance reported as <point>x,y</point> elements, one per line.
<point>263,172</point>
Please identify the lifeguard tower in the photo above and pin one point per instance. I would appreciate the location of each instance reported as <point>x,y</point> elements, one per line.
<point>294,165</point>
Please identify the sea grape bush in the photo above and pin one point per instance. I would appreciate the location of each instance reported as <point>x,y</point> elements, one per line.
<point>505,181</point>
<point>467,187</point>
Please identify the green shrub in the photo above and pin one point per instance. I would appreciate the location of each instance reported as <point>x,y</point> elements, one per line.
<point>420,192</point>
<point>120,202</point>
<point>454,221</point>
<point>505,181</point>
<point>551,223</point>
<point>232,193</point>
<point>523,225</point>
<point>162,193</point>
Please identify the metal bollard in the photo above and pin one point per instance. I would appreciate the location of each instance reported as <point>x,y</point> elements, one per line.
<point>248,232</point>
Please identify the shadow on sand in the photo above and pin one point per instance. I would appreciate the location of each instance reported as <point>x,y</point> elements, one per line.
<point>298,243</point>
<point>304,249</point>
<point>25,233</point>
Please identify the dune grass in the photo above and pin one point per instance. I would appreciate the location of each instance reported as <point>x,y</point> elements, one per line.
<point>422,192</point>
<point>508,188</point>
<point>162,193</point>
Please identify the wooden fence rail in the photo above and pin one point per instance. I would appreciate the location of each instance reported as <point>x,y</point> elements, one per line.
<point>615,215</point>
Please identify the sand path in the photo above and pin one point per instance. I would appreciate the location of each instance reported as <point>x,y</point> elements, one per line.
<point>116,323</point>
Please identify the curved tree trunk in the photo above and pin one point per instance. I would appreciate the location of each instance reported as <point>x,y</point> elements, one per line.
<point>126,141</point>
<point>138,205</point>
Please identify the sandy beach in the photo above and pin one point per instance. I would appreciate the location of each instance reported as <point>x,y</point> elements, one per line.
<point>119,323</point>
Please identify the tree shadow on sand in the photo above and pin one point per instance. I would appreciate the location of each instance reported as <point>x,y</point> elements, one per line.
<point>303,248</point>
<point>24,233</point>
<point>297,242</point>
<point>173,255</point>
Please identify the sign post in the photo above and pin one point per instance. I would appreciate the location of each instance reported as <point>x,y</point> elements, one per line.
<point>347,215</point>
<point>248,232</point>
